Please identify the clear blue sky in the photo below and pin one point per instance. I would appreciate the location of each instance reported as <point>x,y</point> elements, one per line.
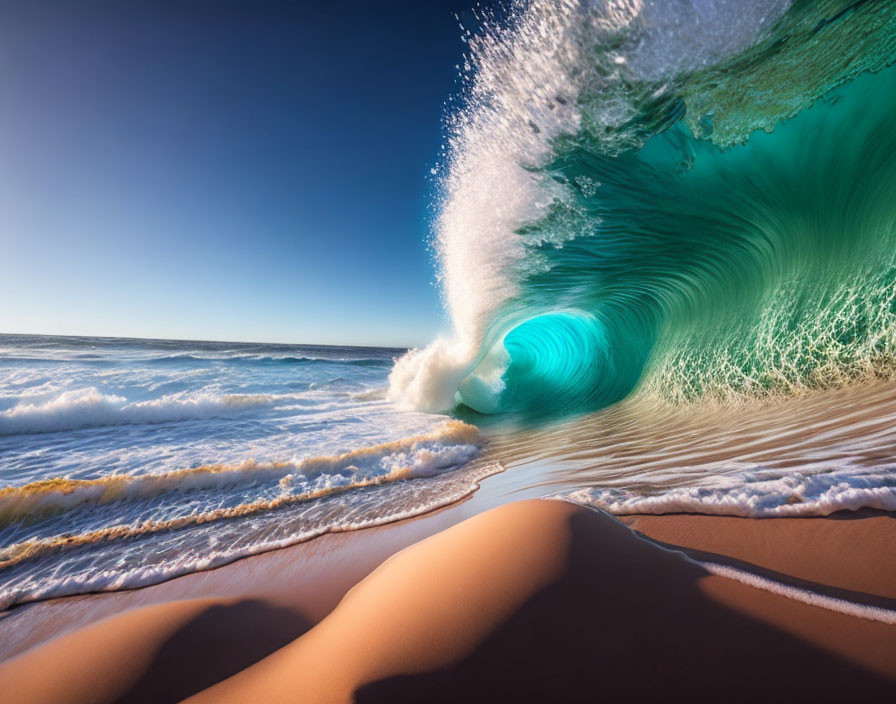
<point>222,170</point>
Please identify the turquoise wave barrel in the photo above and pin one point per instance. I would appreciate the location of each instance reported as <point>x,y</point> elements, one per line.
<point>555,363</point>
<point>695,270</point>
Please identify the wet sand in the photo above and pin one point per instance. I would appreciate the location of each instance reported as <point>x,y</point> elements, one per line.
<point>843,555</point>
<point>529,601</point>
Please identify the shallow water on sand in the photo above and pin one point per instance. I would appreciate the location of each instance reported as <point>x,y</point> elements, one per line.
<point>805,456</point>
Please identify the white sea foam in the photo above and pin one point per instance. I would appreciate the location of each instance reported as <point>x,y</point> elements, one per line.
<point>90,408</point>
<point>427,379</point>
<point>755,494</point>
<point>129,504</point>
<point>452,444</point>
<point>113,564</point>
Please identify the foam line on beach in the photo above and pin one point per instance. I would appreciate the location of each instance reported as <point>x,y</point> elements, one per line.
<point>805,596</point>
<point>452,489</point>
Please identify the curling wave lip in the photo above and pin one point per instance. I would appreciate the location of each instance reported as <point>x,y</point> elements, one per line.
<point>684,200</point>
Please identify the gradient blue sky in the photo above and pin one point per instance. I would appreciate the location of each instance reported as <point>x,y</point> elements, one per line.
<point>222,170</point>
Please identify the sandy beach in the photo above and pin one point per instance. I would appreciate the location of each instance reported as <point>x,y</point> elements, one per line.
<point>533,600</point>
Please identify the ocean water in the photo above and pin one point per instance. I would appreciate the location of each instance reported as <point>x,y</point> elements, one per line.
<point>127,462</point>
<point>677,214</point>
<point>666,239</point>
<point>682,199</point>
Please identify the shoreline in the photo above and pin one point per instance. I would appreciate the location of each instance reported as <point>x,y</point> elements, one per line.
<point>533,466</point>
<point>309,576</point>
<point>279,601</point>
<point>824,553</point>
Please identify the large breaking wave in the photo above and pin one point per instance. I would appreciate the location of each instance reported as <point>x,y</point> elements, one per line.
<point>684,199</point>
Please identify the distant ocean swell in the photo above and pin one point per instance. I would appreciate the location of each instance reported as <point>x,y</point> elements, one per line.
<point>251,359</point>
<point>685,201</point>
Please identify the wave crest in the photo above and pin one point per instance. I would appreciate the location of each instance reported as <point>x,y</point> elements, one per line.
<point>90,408</point>
<point>707,186</point>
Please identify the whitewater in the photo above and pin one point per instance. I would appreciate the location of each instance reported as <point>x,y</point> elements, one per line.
<point>127,462</point>
<point>664,237</point>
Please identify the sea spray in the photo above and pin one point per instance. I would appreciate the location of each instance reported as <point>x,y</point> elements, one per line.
<point>677,199</point>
